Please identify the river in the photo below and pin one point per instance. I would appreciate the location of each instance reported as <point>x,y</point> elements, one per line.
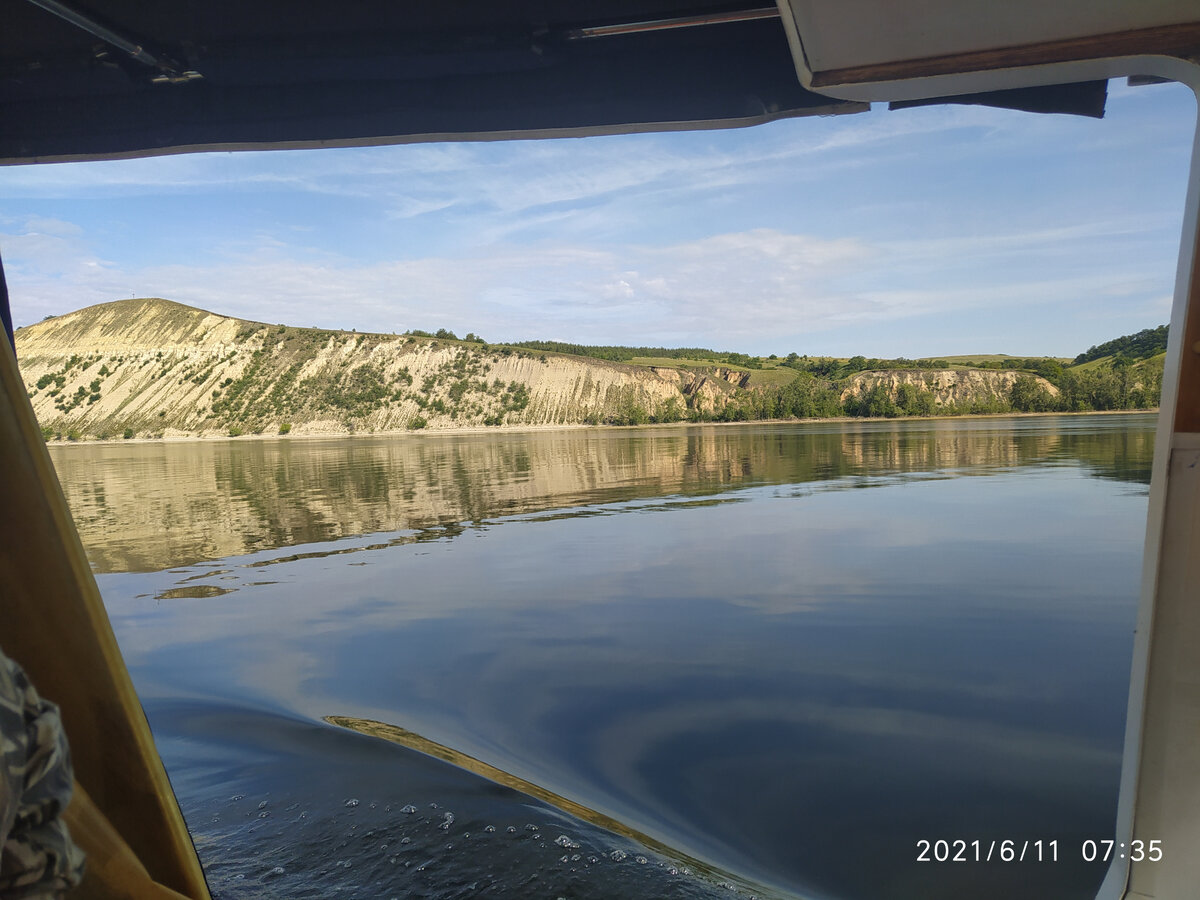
<point>762,660</point>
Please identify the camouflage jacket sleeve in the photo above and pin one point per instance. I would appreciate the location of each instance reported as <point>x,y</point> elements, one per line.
<point>37,856</point>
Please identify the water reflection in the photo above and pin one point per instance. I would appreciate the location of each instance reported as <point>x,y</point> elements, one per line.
<point>146,507</point>
<point>700,634</point>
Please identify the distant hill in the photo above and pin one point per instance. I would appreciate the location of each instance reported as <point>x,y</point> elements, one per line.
<point>152,367</point>
<point>155,368</point>
<point>1141,345</point>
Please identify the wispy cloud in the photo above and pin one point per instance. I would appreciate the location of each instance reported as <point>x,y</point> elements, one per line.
<point>803,234</point>
<point>761,290</point>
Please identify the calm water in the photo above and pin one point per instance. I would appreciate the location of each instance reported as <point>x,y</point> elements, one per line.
<point>702,662</point>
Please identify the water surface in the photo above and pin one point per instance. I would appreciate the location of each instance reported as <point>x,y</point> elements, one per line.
<point>764,659</point>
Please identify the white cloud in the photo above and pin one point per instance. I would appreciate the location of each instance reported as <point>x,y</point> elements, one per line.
<point>761,290</point>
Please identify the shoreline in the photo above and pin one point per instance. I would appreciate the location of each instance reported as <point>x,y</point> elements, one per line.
<point>538,429</point>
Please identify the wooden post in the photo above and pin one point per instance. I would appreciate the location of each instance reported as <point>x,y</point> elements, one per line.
<point>54,624</point>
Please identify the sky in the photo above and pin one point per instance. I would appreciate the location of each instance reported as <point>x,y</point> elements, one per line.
<point>920,233</point>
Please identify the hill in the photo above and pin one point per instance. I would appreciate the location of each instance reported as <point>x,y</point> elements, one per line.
<point>152,367</point>
<point>155,368</point>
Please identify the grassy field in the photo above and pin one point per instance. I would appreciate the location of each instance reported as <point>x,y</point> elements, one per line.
<point>968,358</point>
<point>772,374</point>
<point>670,362</point>
<point>1105,362</point>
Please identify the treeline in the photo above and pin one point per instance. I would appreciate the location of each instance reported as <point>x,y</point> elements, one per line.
<point>625,354</point>
<point>808,396</point>
<point>827,367</point>
<point>1142,345</point>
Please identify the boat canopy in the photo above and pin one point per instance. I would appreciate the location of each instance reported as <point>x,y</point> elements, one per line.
<point>91,79</point>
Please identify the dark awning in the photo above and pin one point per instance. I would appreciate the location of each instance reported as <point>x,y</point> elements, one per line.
<point>221,73</point>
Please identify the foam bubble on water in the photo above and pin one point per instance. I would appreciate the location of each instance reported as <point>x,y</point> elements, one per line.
<point>263,815</point>
<point>278,870</point>
<point>641,860</point>
<point>489,829</point>
<point>575,857</point>
<point>447,821</point>
<point>531,827</point>
<point>617,855</point>
<point>672,871</point>
<point>406,840</point>
<point>236,797</point>
<point>409,809</point>
<point>433,806</point>
<point>263,805</point>
<point>351,803</point>
<point>511,830</point>
<point>564,858</point>
<point>372,805</point>
<point>382,847</point>
<point>563,841</point>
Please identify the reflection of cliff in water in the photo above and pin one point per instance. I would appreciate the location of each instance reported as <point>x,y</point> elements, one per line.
<point>148,507</point>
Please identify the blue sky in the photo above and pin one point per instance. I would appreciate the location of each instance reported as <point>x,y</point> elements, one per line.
<point>910,233</point>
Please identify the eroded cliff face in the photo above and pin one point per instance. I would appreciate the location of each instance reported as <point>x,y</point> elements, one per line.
<point>154,368</point>
<point>949,387</point>
<point>157,368</point>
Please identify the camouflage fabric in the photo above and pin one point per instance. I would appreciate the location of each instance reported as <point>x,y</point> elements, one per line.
<point>37,856</point>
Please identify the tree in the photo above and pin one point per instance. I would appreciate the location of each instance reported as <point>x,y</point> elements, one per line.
<point>1027,395</point>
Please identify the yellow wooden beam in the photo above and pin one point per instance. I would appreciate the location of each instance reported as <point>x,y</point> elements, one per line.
<point>54,624</point>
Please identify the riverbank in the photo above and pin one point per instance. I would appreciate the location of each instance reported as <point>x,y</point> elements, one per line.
<point>573,427</point>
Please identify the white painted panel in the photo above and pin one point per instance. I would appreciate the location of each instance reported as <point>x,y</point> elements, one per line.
<point>839,34</point>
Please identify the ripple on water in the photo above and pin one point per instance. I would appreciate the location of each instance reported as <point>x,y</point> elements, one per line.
<point>349,849</point>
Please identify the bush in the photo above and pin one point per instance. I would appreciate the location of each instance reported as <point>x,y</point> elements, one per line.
<point>285,427</point>
<point>417,422</point>
<point>236,431</point>
<point>129,433</point>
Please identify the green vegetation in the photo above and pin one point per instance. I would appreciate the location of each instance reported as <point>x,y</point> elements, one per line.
<point>282,375</point>
<point>628,354</point>
<point>1142,345</point>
